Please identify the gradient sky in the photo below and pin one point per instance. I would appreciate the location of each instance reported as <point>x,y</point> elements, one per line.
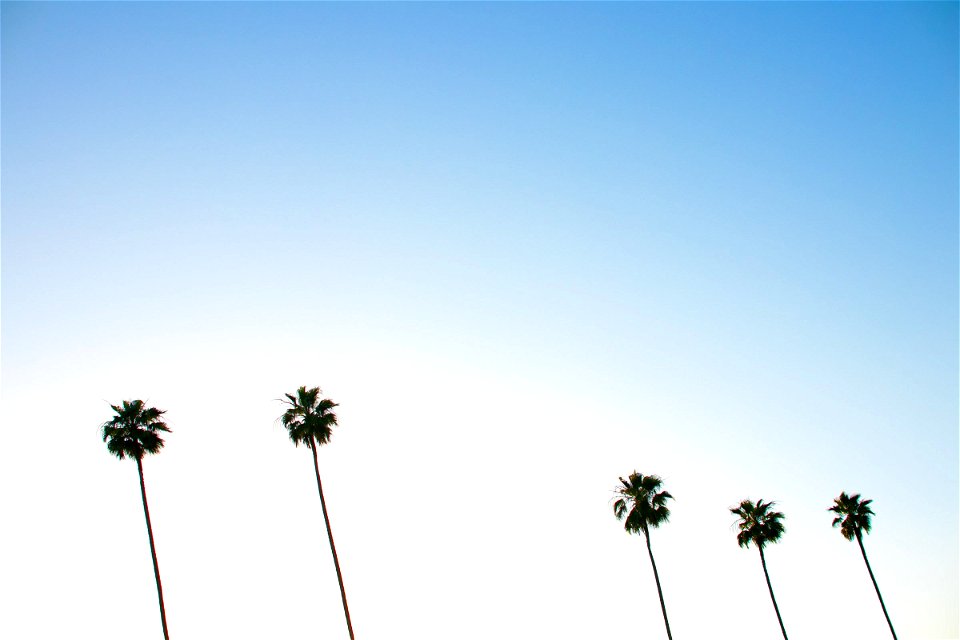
<point>528,248</point>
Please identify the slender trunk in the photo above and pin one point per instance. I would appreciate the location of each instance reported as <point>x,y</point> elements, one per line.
<point>770,587</point>
<point>874,580</point>
<point>656,576</point>
<point>333,549</point>
<point>153,551</point>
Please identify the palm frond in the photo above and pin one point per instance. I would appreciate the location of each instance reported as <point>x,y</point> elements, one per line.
<point>853,514</point>
<point>134,430</point>
<point>308,417</point>
<point>757,523</point>
<point>620,508</point>
<point>640,504</point>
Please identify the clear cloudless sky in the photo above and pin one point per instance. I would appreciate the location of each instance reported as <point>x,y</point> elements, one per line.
<point>528,248</point>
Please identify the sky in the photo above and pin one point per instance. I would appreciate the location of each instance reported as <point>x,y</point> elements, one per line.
<point>528,249</point>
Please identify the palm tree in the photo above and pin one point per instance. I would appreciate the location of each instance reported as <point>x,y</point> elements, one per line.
<point>761,526</point>
<point>853,518</point>
<point>642,505</point>
<point>135,432</point>
<point>309,420</point>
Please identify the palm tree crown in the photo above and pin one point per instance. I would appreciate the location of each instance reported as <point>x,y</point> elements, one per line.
<point>640,504</point>
<point>134,431</point>
<point>758,524</point>
<point>309,417</point>
<point>853,514</point>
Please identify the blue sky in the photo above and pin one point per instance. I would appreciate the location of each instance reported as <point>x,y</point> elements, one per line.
<point>521,245</point>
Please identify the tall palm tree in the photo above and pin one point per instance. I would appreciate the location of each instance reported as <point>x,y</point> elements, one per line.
<point>761,526</point>
<point>134,432</point>
<point>642,505</point>
<point>309,420</point>
<point>853,518</point>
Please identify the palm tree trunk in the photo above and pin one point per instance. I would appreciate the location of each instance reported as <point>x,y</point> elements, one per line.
<point>770,587</point>
<point>656,577</point>
<point>874,580</point>
<point>153,551</point>
<point>333,549</point>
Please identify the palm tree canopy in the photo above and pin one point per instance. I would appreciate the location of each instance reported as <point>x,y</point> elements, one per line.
<point>309,417</point>
<point>853,514</point>
<point>135,430</point>
<point>641,505</point>
<point>757,523</point>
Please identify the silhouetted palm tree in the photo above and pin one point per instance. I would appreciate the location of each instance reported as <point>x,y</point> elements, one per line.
<point>310,420</point>
<point>761,526</point>
<point>135,432</point>
<point>641,505</point>
<point>853,518</point>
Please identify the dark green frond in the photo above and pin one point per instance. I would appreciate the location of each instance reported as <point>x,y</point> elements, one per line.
<point>308,417</point>
<point>757,523</point>
<point>640,503</point>
<point>635,523</point>
<point>853,514</point>
<point>134,430</point>
<point>660,499</point>
<point>620,508</point>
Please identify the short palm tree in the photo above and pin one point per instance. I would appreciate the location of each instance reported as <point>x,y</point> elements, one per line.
<point>853,518</point>
<point>309,420</point>
<point>134,432</point>
<point>761,526</point>
<point>642,505</point>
